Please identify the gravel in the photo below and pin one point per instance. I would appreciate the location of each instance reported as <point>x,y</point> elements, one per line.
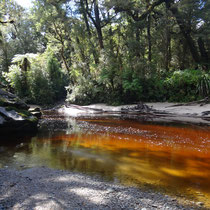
<point>44,188</point>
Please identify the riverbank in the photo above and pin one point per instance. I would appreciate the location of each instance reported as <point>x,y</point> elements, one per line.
<point>188,113</point>
<point>44,188</point>
<point>193,113</point>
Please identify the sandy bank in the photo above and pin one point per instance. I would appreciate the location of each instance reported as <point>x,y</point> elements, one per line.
<point>198,110</point>
<point>195,113</point>
<point>43,188</point>
<point>164,111</point>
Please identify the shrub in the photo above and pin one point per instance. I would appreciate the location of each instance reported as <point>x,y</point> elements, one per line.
<point>132,86</point>
<point>43,82</point>
<point>58,80</point>
<point>40,89</point>
<point>153,89</point>
<point>16,78</point>
<point>203,86</point>
<point>86,91</point>
<point>186,85</point>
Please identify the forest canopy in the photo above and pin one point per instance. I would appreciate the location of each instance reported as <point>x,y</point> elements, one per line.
<point>134,50</point>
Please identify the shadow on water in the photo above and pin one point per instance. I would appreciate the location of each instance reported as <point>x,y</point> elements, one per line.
<point>173,158</point>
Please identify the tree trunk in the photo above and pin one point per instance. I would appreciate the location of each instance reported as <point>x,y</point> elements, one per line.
<point>62,48</point>
<point>186,33</point>
<point>82,54</point>
<point>138,55</point>
<point>64,59</point>
<point>85,17</point>
<point>96,59</point>
<point>149,39</point>
<point>204,54</point>
<point>168,39</point>
<point>98,24</point>
<point>183,53</point>
<point>96,21</point>
<point>100,37</point>
<point>149,33</point>
<point>6,60</point>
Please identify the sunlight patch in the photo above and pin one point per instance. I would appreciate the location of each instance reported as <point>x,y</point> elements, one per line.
<point>93,195</point>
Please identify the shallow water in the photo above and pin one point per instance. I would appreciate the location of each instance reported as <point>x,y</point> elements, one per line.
<point>171,158</point>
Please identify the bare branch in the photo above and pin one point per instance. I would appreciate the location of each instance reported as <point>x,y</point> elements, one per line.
<point>135,13</point>
<point>5,22</point>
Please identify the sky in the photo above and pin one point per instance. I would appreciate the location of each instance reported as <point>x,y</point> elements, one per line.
<point>24,3</point>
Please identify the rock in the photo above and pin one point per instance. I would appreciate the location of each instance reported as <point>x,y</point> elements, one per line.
<point>35,111</point>
<point>14,114</point>
<point>37,114</point>
<point>9,99</point>
<point>10,113</point>
<point>200,203</point>
<point>2,120</point>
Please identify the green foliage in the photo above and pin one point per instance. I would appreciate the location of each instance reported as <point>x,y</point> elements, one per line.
<point>57,78</point>
<point>154,89</point>
<point>19,59</point>
<point>203,85</point>
<point>86,91</point>
<point>187,85</point>
<point>132,86</point>
<point>40,89</point>
<point>43,83</point>
<point>111,55</point>
<point>15,77</point>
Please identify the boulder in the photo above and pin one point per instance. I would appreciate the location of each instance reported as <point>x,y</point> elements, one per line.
<point>36,111</point>
<point>14,114</point>
<point>9,99</point>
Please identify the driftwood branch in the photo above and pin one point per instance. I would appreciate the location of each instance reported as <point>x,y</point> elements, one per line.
<point>201,102</point>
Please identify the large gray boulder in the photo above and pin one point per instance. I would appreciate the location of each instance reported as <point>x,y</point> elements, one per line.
<point>14,114</point>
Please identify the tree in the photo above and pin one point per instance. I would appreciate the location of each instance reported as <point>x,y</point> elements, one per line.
<point>125,48</point>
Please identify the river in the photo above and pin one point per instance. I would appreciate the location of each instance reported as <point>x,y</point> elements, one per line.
<point>167,157</point>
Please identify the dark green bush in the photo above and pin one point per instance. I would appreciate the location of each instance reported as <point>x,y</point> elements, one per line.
<point>177,86</point>
<point>132,86</point>
<point>153,89</point>
<point>39,86</point>
<point>18,80</point>
<point>58,79</point>
<point>187,85</point>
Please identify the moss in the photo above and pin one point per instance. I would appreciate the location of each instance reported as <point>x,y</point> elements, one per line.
<point>33,119</point>
<point>2,101</point>
<point>24,115</point>
<point>10,108</point>
<point>21,112</point>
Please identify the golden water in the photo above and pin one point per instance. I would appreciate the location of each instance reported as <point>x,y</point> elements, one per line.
<point>175,159</point>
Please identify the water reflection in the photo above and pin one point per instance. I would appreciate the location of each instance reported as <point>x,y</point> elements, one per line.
<point>176,159</point>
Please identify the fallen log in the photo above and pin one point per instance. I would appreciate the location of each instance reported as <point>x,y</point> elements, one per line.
<point>201,102</point>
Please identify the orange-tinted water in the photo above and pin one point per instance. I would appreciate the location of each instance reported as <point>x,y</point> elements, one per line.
<point>174,159</point>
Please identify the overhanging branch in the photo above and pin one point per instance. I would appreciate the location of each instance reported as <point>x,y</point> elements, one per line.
<point>135,13</point>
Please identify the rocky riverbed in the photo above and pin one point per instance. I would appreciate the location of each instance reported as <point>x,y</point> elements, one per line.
<point>44,188</point>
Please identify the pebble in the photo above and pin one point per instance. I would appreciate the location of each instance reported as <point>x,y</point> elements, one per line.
<point>54,189</point>
<point>200,203</point>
